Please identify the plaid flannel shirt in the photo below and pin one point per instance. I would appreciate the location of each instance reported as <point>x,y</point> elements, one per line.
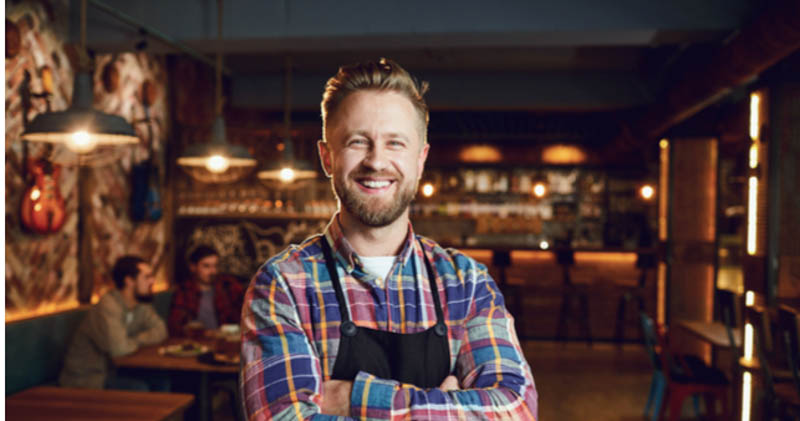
<point>290,328</point>
<point>228,297</point>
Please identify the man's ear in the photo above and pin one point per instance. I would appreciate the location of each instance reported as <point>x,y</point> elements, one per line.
<point>323,147</point>
<point>423,156</point>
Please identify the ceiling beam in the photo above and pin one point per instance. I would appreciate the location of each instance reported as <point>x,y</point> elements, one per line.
<point>305,25</point>
<point>771,37</point>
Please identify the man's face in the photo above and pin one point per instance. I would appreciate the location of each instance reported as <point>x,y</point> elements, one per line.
<point>205,270</point>
<point>143,284</point>
<point>375,155</point>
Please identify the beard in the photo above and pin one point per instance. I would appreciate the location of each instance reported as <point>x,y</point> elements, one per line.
<point>372,211</point>
<point>145,298</point>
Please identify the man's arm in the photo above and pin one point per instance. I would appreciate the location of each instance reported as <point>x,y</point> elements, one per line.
<point>178,313</point>
<point>108,329</point>
<point>153,328</point>
<point>490,366</point>
<point>281,373</point>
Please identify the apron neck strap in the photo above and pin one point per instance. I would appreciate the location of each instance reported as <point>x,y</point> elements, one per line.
<point>330,262</point>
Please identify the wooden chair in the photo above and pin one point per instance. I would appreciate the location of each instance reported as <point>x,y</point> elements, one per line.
<point>676,378</point>
<point>778,393</point>
<point>786,395</point>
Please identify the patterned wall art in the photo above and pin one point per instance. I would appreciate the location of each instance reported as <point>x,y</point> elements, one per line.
<point>42,270</point>
<point>244,245</point>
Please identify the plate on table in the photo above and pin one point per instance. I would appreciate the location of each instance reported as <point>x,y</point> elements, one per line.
<point>226,359</point>
<point>184,350</point>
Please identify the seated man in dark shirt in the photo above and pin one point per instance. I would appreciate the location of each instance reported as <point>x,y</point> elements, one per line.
<point>206,297</point>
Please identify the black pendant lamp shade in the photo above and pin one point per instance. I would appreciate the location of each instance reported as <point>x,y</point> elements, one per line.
<point>81,128</point>
<point>216,161</point>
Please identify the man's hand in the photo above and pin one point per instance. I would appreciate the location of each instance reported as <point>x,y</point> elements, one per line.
<point>336,397</point>
<point>450,383</point>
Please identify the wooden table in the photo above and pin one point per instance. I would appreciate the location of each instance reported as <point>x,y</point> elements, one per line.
<point>150,358</point>
<point>68,404</point>
<point>712,332</point>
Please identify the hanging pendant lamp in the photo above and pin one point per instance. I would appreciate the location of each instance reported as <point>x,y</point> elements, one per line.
<point>81,128</point>
<point>217,161</point>
<point>287,172</point>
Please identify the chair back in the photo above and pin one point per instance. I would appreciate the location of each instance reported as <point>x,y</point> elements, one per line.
<point>726,310</point>
<point>787,326</point>
<point>653,342</point>
<point>763,343</point>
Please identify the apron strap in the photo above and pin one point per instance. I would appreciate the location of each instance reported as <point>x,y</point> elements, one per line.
<point>440,328</point>
<point>348,328</point>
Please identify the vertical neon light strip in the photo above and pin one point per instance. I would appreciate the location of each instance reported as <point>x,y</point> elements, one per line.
<point>663,189</point>
<point>752,213</point>
<point>746,391</point>
<point>752,182</point>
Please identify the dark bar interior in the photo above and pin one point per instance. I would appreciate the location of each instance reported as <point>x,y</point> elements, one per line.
<point>625,173</point>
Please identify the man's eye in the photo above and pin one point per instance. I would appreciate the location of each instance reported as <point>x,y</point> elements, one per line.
<point>357,142</point>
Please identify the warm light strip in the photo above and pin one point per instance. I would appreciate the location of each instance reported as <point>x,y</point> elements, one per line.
<point>749,298</point>
<point>663,180</point>
<point>752,210</point>
<point>748,341</point>
<point>753,161</point>
<point>746,392</point>
<point>661,312</point>
<point>755,102</point>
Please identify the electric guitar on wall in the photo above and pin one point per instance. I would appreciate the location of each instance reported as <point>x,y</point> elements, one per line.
<point>42,208</point>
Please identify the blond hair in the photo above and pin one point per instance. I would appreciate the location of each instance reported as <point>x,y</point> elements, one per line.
<point>383,75</point>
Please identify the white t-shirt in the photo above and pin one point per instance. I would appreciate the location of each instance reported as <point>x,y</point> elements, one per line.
<point>378,265</point>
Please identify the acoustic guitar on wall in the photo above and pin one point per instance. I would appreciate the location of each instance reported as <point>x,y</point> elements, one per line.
<point>42,209</point>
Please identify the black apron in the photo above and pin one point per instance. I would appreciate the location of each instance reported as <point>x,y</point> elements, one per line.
<point>421,359</point>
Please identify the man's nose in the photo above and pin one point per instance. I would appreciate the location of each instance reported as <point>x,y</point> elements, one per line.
<point>376,158</point>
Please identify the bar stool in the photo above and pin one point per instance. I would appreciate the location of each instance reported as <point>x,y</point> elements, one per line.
<point>571,292</point>
<point>501,260</point>
<point>644,262</point>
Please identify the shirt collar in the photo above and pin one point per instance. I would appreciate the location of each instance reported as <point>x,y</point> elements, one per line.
<point>345,253</point>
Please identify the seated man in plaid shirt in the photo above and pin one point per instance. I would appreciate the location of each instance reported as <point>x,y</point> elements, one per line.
<point>369,320</point>
<point>206,297</point>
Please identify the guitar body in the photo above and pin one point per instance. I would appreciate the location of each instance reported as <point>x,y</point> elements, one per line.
<point>42,209</point>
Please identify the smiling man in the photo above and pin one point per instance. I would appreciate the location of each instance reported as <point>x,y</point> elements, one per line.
<point>369,320</point>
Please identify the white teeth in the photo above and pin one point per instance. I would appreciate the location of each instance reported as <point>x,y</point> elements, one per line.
<point>375,184</point>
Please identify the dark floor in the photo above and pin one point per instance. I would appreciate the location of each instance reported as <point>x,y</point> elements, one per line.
<point>603,382</point>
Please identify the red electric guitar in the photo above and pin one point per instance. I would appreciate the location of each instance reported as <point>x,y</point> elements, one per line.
<point>42,209</point>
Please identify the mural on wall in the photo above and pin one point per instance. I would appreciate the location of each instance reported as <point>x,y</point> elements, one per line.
<point>42,269</point>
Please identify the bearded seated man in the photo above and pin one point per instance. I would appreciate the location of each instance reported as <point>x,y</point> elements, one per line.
<point>121,322</point>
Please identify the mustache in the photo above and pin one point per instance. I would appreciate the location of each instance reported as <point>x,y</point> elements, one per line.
<point>368,173</point>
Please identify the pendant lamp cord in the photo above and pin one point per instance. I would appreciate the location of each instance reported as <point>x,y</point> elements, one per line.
<point>219,57</point>
<point>84,62</point>
<point>288,152</point>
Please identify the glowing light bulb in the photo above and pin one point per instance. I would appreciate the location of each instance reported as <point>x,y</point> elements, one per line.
<point>544,245</point>
<point>287,175</point>
<point>217,164</point>
<point>81,142</point>
<point>539,190</point>
<point>647,192</point>
<point>427,189</point>
<point>35,194</point>
<point>663,144</point>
